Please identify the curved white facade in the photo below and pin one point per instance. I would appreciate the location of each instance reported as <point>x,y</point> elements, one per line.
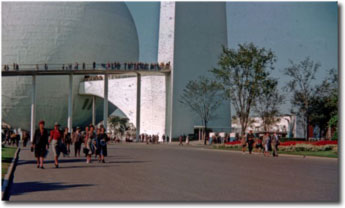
<point>123,92</point>
<point>60,32</point>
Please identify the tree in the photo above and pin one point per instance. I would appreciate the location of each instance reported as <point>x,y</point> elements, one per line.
<point>268,102</point>
<point>120,124</point>
<point>302,88</point>
<point>242,74</point>
<point>324,103</point>
<point>203,96</point>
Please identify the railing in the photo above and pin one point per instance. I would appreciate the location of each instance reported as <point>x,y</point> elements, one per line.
<point>83,66</point>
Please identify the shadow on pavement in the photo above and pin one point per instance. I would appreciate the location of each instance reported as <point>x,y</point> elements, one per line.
<point>127,161</point>
<point>21,162</point>
<point>25,187</point>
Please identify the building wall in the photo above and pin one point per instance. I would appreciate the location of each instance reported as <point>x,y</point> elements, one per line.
<point>200,32</point>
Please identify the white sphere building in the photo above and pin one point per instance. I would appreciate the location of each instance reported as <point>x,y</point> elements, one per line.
<point>57,33</point>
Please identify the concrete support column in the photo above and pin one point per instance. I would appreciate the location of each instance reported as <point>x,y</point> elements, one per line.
<point>70,104</point>
<point>138,107</point>
<point>33,108</point>
<point>93,110</point>
<point>105,112</point>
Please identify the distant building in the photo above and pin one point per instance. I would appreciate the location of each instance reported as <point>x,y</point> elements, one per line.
<point>289,124</point>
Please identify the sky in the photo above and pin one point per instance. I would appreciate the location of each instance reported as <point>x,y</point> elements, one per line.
<point>292,30</point>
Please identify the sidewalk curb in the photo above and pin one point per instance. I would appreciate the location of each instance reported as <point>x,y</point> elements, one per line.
<point>5,189</point>
<point>280,155</point>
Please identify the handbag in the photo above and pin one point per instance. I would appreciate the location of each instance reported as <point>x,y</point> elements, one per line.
<point>85,150</point>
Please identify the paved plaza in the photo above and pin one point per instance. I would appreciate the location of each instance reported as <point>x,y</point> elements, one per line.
<point>161,172</point>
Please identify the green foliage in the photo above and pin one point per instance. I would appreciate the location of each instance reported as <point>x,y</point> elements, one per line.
<point>203,96</point>
<point>268,102</point>
<point>120,124</point>
<point>323,108</point>
<point>302,87</point>
<point>242,74</point>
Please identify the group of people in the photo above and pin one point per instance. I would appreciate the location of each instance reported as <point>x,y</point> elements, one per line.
<point>150,138</point>
<point>12,137</point>
<point>109,65</point>
<point>265,144</point>
<point>15,67</point>
<point>95,143</point>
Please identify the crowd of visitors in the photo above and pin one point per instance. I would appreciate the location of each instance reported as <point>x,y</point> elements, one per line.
<point>265,144</point>
<point>94,65</point>
<point>12,137</point>
<point>150,138</point>
<point>94,140</point>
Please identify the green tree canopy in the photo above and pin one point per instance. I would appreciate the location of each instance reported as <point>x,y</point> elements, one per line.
<point>242,73</point>
<point>202,96</point>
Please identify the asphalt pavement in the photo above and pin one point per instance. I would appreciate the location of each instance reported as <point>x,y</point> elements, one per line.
<point>172,173</point>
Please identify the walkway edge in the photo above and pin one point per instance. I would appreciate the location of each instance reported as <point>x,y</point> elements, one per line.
<point>5,189</point>
<point>283,155</point>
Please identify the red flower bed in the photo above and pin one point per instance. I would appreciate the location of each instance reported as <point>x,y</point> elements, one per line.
<point>289,143</point>
<point>233,143</point>
<point>319,143</point>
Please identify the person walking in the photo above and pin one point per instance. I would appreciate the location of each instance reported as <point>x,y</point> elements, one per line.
<point>90,143</point>
<point>55,140</point>
<point>85,136</point>
<point>274,144</point>
<point>25,138</point>
<point>266,142</point>
<point>77,141</point>
<point>250,141</point>
<point>67,140</point>
<point>102,140</point>
<point>180,140</point>
<point>40,144</point>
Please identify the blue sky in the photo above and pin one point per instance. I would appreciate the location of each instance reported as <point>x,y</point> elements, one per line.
<point>292,30</point>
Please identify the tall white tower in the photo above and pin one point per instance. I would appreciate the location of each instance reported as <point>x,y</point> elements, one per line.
<point>191,36</point>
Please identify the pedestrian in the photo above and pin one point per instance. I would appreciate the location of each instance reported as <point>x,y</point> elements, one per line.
<point>67,140</point>
<point>94,65</point>
<point>85,135</point>
<point>274,144</point>
<point>40,144</point>
<point>45,66</point>
<point>63,66</point>
<point>250,141</point>
<point>77,141</point>
<point>25,138</point>
<point>266,142</point>
<point>259,145</point>
<point>102,140</point>
<point>187,140</point>
<point>90,143</point>
<point>83,65</point>
<point>76,66</point>
<point>180,140</point>
<point>56,141</point>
